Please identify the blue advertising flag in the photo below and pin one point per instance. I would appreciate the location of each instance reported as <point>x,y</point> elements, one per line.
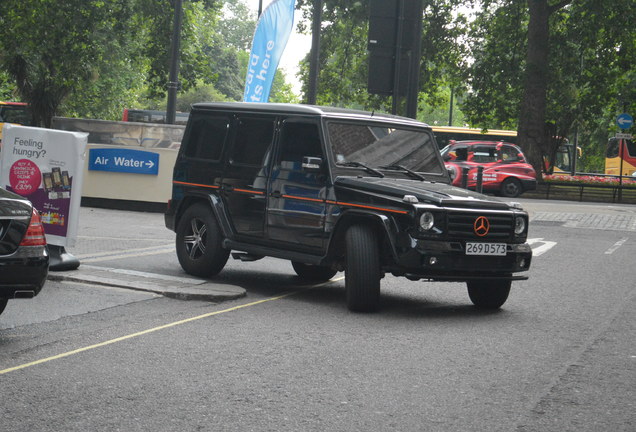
<point>272,32</point>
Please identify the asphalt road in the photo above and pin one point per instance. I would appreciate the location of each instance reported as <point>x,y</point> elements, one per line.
<point>560,355</point>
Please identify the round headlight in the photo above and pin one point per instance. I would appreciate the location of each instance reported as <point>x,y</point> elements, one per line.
<point>427,220</point>
<point>520,225</point>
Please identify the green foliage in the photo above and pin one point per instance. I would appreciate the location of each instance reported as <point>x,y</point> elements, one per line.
<point>591,73</point>
<point>51,47</point>
<point>439,114</point>
<point>155,20</point>
<point>494,79</point>
<point>93,58</point>
<point>7,87</point>
<point>343,63</point>
<point>237,25</point>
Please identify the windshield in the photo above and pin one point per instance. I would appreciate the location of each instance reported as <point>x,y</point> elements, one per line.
<point>378,146</point>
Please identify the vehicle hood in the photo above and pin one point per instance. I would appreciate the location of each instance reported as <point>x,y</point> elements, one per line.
<point>440,194</point>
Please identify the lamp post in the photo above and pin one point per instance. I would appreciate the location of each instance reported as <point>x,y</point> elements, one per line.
<point>314,57</point>
<point>173,80</point>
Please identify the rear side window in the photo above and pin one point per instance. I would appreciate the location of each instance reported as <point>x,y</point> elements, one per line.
<point>299,140</point>
<point>253,137</point>
<point>483,154</point>
<point>509,154</point>
<point>207,136</point>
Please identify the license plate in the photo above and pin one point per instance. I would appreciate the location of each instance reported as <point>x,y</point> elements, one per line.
<point>485,249</point>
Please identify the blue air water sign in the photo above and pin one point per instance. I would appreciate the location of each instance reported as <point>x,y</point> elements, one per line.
<point>123,160</point>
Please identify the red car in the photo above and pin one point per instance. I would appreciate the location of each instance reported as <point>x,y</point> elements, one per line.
<point>506,171</point>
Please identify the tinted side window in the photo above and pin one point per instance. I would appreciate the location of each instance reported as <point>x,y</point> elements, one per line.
<point>253,138</point>
<point>206,136</point>
<point>298,140</point>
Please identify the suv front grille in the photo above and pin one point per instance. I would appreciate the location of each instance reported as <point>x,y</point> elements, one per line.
<point>461,225</point>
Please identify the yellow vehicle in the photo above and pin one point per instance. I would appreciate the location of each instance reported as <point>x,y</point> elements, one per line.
<point>444,134</point>
<point>14,112</point>
<point>620,157</point>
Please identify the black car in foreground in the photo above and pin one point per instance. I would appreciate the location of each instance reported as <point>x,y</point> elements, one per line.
<point>24,258</point>
<point>334,190</point>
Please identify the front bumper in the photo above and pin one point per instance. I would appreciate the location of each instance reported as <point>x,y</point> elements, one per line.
<point>447,261</point>
<point>23,273</point>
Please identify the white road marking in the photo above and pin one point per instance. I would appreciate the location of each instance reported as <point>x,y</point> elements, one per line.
<point>540,250</point>
<point>616,245</point>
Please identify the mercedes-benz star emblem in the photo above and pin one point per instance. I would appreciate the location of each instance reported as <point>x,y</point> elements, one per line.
<point>481,226</point>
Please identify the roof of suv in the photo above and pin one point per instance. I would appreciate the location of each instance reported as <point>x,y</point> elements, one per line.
<point>300,109</point>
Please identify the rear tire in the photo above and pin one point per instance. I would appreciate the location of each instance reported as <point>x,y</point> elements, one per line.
<point>489,294</point>
<point>511,188</point>
<point>362,271</point>
<point>3,304</point>
<point>313,272</point>
<point>199,248</point>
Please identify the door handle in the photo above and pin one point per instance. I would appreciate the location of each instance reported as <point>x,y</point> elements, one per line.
<point>276,194</point>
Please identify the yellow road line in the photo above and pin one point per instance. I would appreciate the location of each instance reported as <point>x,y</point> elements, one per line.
<point>152,330</point>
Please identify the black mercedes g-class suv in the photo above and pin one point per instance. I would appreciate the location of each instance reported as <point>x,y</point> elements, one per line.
<point>337,190</point>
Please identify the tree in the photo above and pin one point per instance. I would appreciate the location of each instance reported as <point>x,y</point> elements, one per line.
<point>343,62</point>
<point>581,77</point>
<point>154,18</point>
<point>49,47</point>
<point>533,135</point>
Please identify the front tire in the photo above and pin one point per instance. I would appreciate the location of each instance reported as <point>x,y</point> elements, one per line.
<point>511,188</point>
<point>199,248</point>
<point>362,271</point>
<point>489,294</point>
<point>313,272</point>
<point>3,304</point>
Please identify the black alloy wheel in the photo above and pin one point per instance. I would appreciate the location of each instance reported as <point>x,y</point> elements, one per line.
<point>199,247</point>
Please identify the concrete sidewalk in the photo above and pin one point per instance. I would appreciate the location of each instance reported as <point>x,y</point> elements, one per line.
<point>106,232</point>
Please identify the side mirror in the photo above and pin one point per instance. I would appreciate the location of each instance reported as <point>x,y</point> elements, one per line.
<point>312,164</point>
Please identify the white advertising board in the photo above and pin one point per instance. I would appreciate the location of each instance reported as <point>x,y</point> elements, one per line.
<point>46,167</point>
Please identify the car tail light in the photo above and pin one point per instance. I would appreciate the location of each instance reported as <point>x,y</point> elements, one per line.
<point>35,233</point>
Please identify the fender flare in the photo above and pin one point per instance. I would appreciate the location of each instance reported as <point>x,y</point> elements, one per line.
<point>217,206</point>
<point>385,224</point>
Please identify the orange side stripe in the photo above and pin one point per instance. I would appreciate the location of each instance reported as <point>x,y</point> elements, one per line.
<point>248,191</point>
<point>301,198</point>
<point>368,207</point>
<point>195,184</point>
<point>318,200</point>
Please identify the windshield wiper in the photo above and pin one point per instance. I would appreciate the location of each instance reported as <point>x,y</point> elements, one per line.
<point>405,169</point>
<point>361,165</point>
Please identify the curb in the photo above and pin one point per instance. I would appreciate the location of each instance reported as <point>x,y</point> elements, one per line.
<point>180,288</point>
